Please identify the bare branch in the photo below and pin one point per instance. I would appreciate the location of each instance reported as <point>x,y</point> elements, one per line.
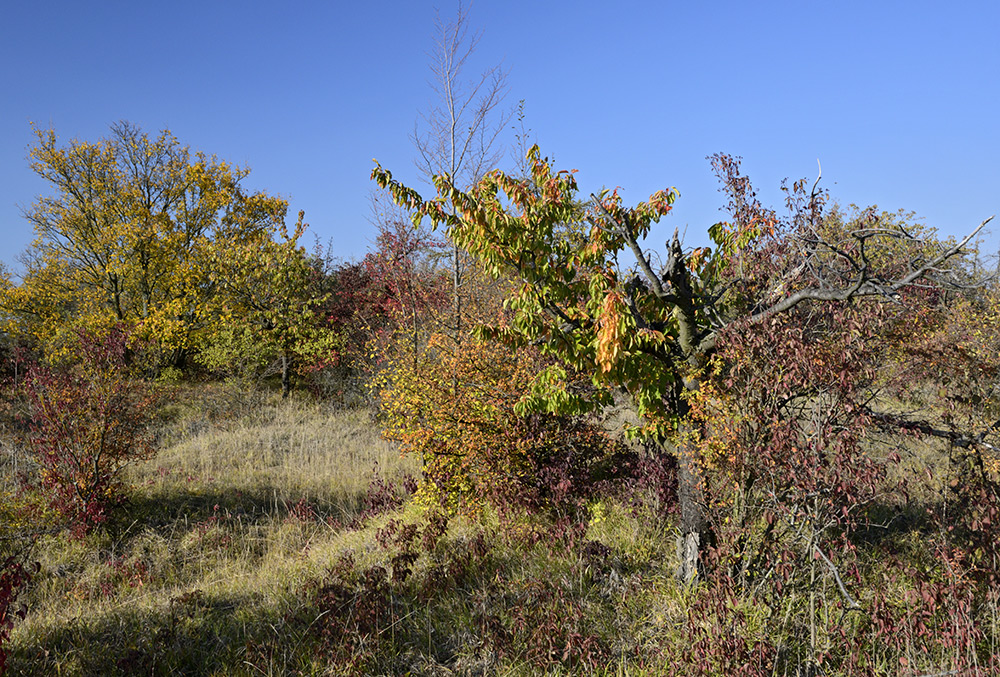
<point>463,127</point>
<point>957,249</point>
<point>851,602</point>
<point>819,175</point>
<point>865,286</point>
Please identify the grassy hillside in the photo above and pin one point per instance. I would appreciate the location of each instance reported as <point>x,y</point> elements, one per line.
<point>281,538</point>
<point>264,539</point>
<point>228,523</point>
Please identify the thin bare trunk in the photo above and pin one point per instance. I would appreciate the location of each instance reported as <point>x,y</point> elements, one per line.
<point>462,130</point>
<point>457,301</point>
<point>286,376</point>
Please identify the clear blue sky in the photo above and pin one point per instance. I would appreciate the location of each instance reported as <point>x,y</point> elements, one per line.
<point>897,99</point>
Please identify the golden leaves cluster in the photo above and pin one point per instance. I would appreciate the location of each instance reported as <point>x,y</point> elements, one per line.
<point>124,238</point>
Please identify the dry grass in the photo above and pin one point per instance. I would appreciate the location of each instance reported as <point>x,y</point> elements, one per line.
<point>288,450</point>
<point>239,517</point>
<point>227,524</point>
<point>215,567</point>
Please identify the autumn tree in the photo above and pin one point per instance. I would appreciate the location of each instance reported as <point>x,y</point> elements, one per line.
<point>825,425</point>
<point>406,282</point>
<point>651,330</point>
<point>266,309</point>
<point>124,238</point>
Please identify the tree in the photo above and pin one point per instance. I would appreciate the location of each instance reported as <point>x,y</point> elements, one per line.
<point>461,133</point>
<point>405,284</point>
<point>652,333</point>
<point>266,309</point>
<point>124,239</point>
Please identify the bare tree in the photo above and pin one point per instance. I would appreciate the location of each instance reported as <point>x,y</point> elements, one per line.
<point>459,136</point>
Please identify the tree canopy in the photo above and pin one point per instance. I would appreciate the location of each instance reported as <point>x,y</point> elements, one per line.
<point>649,332</point>
<point>126,238</point>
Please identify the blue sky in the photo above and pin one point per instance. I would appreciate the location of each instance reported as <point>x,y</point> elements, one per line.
<point>898,100</point>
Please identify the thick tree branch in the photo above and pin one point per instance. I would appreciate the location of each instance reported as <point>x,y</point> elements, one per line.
<point>625,231</point>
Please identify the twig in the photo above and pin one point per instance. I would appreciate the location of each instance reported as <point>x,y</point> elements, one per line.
<point>852,603</point>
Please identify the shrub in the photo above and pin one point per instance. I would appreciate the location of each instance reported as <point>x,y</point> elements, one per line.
<point>87,422</point>
<point>14,575</point>
<point>456,408</point>
<point>355,608</point>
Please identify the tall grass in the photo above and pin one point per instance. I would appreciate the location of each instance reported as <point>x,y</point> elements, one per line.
<point>243,504</point>
<point>257,543</point>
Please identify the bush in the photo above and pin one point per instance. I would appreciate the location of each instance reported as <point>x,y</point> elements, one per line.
<point>87,422</point>
<point>456,408</point>
<point>14,575</point>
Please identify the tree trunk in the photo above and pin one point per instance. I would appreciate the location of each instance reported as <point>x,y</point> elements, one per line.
<point>457,292</point>
<point>286,376</point>
<point>694,532</point>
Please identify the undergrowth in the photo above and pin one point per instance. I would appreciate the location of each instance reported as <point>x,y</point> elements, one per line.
<point>270,538</point>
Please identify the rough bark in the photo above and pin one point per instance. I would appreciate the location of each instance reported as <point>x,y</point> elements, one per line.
<point>694,531</point>
<point>693,527</point>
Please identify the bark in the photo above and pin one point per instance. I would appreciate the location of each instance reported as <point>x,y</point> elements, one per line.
<point>695,533</point>
<point>286,376</point>
<point>457,300</point>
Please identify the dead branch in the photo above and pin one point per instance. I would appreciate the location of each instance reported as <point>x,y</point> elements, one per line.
<point>863,285</point>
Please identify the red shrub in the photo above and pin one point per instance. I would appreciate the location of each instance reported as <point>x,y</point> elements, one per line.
<point>14,575</point>
<point>87,423</point>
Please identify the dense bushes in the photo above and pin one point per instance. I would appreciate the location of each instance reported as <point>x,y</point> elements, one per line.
<point>821,561</point>
<point>456,409</point>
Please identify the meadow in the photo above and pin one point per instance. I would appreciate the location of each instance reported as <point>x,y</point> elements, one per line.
<point>282,537</point>
<point>252,505</point>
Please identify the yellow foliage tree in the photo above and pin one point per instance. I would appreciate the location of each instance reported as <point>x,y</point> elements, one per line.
<point>125,239</point>
<point>268,310</point>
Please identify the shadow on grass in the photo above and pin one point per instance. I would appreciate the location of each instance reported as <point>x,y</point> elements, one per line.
<point>198,634</point>
<point>158,509</point>
<point>887,523</point>
<point>166,510</point>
